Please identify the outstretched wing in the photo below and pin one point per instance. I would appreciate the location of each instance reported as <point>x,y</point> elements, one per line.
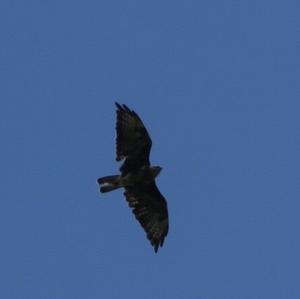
<point>133,141</point>
<point>150,209</point>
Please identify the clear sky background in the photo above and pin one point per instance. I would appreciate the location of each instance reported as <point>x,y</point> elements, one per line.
<point>217,85</point>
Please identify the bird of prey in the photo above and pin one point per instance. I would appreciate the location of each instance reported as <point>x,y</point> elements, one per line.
<point>133,145</point>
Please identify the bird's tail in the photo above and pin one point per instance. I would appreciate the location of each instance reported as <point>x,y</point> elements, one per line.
<point>109,183</point>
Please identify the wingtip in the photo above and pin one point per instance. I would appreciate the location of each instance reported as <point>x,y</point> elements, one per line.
<point>118,105</point>
<point>124,108</point>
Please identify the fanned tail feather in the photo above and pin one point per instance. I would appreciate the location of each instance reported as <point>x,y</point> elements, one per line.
<point>109,183</point>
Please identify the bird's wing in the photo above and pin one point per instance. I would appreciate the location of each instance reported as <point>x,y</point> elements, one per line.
<point>133,142</point>
<point>150,209</point>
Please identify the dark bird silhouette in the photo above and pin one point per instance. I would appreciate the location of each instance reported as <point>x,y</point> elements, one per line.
<point>133,144</point>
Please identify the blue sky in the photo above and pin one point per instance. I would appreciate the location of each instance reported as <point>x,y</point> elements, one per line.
<point>217,85</point>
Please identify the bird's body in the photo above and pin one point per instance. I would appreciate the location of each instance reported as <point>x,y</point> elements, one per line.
<point>130,179</point>
<point>137,176</point>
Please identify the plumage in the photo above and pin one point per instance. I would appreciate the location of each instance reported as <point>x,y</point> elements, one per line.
<point>133,145</point>
<point>133,141</point>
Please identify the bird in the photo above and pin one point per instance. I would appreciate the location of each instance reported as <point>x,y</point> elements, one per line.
<point>137,176</point>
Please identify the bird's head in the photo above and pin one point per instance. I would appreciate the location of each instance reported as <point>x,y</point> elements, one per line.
<point>156,170</point>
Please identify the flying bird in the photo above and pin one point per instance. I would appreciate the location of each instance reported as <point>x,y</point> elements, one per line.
<point>137,176</point>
